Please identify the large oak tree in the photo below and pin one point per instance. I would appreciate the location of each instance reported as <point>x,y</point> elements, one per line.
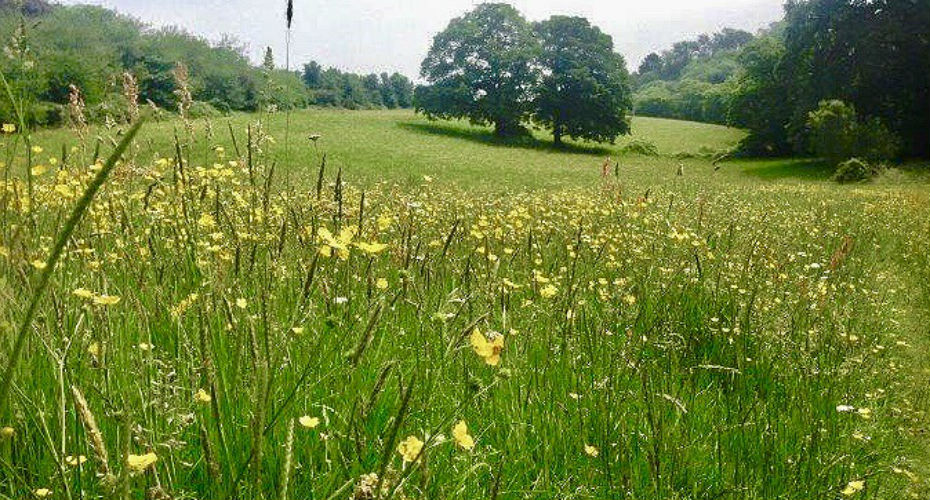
<point>584,92</point>
<point>481,67</point>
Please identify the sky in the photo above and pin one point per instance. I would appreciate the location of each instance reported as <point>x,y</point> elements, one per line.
<point>376,35</point>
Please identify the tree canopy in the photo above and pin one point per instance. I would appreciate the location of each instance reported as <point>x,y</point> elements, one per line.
<point>492,67</point>
<point>584,91</point>
<point>481,67</point>
<point>874,56</point>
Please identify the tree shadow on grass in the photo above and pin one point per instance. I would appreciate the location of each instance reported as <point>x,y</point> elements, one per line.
<point>788,168</point>
<point>485,136</point>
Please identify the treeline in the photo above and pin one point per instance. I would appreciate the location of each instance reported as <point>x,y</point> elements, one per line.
<point>56,54</point>
<point>872,58</point>
<point>332,87</point>
<point>693,80</point>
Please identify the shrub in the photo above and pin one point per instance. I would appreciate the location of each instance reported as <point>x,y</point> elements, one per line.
<point>833,130</point>
<point>641,147</point>
<point>200,109</point>
<point>853,170</point>
<point>836,134</point>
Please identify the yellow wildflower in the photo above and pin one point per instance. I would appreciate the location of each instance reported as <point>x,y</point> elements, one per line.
<point>410,448</point>
<point>591,451</point>
<point>461,435</point>
<point>381,284</point>
<point>139,463</point>
<point>853,487</point>
<point>7,432</point>
<point>9,128</point>
<point>489,350</point>
<point>242,303</point>
<point>308,421</point>
<point>371,248</point>
<point>202,396</point>
<point>75,461</point>
<point>42,492</point>
<point>83,293</point>
<point>338,244</point>
<point>548,291</point>
<point>106,300</point>
<point>38,170</point>
<point>38,264</point>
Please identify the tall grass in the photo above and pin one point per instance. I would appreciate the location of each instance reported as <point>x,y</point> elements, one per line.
<point>212,332</point>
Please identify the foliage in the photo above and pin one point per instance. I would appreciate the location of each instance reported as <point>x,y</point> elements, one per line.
<point>55,46</point>
<point>333,87</point>
<point>853,170</point>
<point>760,100</point>
<point>836,134</point>
<point>833,131</point>
<point>481,67</point>
<point>707,58</point>
<point>584,92</point>
<point>692,81</point>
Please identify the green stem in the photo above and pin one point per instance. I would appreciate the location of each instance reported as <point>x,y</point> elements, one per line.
<point>76,214</point>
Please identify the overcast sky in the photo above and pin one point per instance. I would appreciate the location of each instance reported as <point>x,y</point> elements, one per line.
<point>378,35</point>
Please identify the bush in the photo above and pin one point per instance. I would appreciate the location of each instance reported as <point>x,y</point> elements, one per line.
<point>200,109</point>
<point>836,134</point>
<point>853,170</point>
<point>45,114</point>
<point>641,147</point>
<point>833,130</point>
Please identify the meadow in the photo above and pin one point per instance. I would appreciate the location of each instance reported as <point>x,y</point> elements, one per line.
<point>431,312</point>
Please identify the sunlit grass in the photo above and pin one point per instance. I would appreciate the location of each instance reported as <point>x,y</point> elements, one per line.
<point>445,316</point>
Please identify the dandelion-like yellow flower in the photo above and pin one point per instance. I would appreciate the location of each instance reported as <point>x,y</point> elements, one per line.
<point>38,264</point>
<point>490,351</point>
<point>410,448</point>
<point>83,293</point>
<point>42,492</point>
<point>139,463</point>
<point>9,128</point>
<point>548,291</point>
<point>381,284</point>
<point>38,170</point>
<point>7,432</point>
<point>308,421</point>
<point>202,396</point>
<point>106,300</point>
<point>591,451</point>
<point>853,487</point>
<point>242,303</point>
<point>371,248</point>
<point>338,244</point>
<point>461,435</point>
<point>75,461</point>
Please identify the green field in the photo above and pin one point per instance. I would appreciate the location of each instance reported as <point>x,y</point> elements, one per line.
<point>751,332</point>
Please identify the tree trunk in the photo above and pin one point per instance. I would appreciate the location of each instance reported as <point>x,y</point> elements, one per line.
<point>557,134</point>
